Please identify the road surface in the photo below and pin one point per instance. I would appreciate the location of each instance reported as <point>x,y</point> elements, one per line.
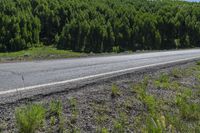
<point>47,73</point>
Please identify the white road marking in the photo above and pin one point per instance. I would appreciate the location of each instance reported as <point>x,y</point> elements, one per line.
<point>93,76</point>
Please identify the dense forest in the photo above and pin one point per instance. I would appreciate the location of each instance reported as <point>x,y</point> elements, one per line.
<point>99,25</point>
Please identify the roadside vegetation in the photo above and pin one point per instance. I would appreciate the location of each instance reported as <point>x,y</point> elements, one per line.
<point>38,53</point>
<point>164,103</point>
<point>99,25</point>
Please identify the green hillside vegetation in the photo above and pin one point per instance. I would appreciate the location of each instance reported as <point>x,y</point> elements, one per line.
<point>99,25</point>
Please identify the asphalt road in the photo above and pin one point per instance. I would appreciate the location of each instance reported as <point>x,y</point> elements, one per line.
<point>44,73</point>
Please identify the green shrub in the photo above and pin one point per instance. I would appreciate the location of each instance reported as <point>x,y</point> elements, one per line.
<point>29,118</point>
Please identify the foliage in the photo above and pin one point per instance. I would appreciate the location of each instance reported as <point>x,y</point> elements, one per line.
<point>188,110</point>
<point>74,110</point>
<point>56,107</point>
<point>115,91</point>
<point>99,25</point>
<point>45,52</point>
<point>29,118</point>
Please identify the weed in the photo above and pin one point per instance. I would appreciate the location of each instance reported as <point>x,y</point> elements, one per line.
<point>163,81</point>
<point>198,63</point>
<point>128,104</point>
<point>156,124</point>
<point>102,118</point>
<point>120,124</point>
<point>151,103</point>
<point>115,91</point>
<point>3,125</point>
<point>141,87</point>
<point>61,124</point>
<point>52,120</point>
<point>118,127</point>
<point>30,118</point>
<point>73,103</point>
<point>188,110</point>
<point>56,107</point>
<point>177,73</point>
<point>116,49</point>
<point>104,130</point>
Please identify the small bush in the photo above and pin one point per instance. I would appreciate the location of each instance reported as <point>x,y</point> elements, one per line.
<point>115,91</point>
<point>30,118</point>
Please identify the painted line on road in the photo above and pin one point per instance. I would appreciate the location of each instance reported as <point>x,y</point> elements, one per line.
<point>93,76</point>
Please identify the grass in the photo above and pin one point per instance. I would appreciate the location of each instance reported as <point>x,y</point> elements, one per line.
<point>115,91</point>
<point>56,107</point>
<point>188,110</point>
<point>30,118</point>
<point>177,73</point>
<point>44,52</point>
<point>74,110</point>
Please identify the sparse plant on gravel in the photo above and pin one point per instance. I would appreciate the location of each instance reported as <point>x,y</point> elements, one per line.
<point>104,130</point>
<point>118,127</point>
<point>188,110</point>
<point>120,123</point>
<point>163,82</point>
<point>29,118</point>
<point>115,91</point>
<point>198,63</point>
<point>56,107</point>
<point>61,124</point>
<point>74,110</point>
<point>177,73</point>
<point>52,120</point>
<point>156,124</point>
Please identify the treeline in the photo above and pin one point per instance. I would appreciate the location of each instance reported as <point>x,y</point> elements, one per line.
<point>99,25</point>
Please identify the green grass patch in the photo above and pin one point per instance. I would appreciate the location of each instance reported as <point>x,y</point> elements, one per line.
<point>56,107</point>
<point>177,73</point>
<point>198,63</point>
<point>115,91</point>
<point>188,110</point>
<point>45,52</point>
<point>29,118</point>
